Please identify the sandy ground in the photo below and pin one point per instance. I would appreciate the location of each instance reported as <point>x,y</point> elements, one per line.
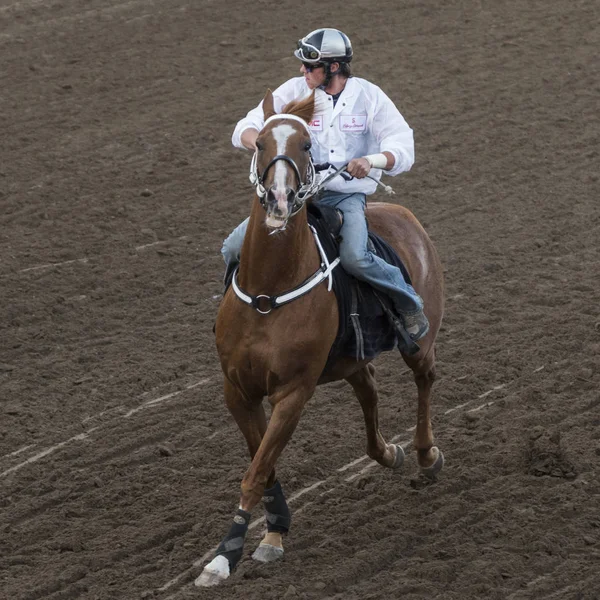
<point>119,464</point>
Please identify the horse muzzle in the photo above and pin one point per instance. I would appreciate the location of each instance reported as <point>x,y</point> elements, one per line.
<point>279,204</point>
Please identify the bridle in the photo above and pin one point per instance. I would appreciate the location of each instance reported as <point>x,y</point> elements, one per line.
<point>306,187</point>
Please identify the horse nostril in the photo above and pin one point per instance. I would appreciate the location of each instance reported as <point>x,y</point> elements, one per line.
<point>291,195</point>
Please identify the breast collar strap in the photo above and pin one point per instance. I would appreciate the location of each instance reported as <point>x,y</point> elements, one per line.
<point>324,272</point>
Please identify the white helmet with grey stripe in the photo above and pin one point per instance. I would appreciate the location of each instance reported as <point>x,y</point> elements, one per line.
<point>324,45</point>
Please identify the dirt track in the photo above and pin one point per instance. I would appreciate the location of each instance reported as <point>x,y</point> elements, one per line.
<point>119,464</point>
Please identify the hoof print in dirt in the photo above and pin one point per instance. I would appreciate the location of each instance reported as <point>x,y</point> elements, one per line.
<point>165,450</point>
<point>421,482</point>
<point>546,458</point>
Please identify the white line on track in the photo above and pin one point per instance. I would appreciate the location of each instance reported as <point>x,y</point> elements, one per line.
<point>58,264</point>
<point>84,261</point>
<point>82,436</point>
<point>47,451</point>
<point>354,462</point>
<point>156,401</point>
<point>19,451</point>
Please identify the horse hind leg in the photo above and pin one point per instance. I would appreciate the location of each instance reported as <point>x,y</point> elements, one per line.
<point>365,387</point>
<point>429,457</point>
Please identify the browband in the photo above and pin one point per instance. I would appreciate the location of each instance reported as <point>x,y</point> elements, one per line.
<point>286,116</point>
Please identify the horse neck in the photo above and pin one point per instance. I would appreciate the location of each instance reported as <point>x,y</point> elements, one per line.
<point>272,264</point>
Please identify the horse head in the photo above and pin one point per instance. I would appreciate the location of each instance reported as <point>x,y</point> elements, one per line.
<point>282,169</point>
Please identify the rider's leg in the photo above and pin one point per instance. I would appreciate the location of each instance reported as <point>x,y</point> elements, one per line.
<point>232,245</point>
<point>231,249</point>
<point>363,264</point>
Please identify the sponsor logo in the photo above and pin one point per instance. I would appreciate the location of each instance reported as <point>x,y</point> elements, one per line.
<point>316,124</point>
<point>239,520</point>
<point>352,123</point>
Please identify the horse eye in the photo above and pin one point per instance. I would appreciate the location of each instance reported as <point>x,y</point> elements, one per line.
<point>307,146</point>
<point>259,146</point>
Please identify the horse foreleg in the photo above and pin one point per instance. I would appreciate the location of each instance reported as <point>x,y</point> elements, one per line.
<point>365,388</point>
<point>278,518</point>
<point>250,418</point>
<point>430,458</point>
<point>284,418</point>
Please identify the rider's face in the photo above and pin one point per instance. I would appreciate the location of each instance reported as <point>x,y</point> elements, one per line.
<point>314,77</point>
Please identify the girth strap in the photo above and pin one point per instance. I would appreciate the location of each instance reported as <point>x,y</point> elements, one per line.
<point>355,318</point>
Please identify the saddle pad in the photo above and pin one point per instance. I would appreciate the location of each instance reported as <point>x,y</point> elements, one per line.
<point>378,335</point>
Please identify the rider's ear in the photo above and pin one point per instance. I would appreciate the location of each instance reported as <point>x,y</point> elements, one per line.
<point>268,105</point>
<point>335,67</point>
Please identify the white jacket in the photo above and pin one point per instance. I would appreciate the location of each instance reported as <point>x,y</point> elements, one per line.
<point>363,121</point>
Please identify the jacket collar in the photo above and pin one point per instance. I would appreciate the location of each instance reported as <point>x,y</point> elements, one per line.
<point>348,92</point>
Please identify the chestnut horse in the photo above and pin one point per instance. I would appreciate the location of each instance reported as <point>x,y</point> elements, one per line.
<point>280,351</point>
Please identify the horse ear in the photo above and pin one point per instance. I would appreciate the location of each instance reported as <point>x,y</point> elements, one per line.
<point>268,105</point>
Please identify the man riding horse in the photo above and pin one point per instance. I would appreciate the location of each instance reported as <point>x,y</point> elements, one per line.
<point>355,123</point>
<point>278,322</point>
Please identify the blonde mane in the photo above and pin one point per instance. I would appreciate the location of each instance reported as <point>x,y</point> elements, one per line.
<point>301,108</point>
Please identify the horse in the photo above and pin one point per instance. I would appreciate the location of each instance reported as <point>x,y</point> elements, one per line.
<point>272,347</point>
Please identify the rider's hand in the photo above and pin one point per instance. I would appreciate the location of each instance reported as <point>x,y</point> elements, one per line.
<point>249,138</point>
<point>359,167</point>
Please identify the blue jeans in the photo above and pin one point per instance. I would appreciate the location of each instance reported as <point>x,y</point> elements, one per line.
<point>354,255</point>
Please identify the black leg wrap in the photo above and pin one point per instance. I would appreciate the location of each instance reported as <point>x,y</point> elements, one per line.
<point>232,545</point>
<point>276,510</point>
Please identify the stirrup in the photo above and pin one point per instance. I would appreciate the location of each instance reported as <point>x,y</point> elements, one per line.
<point>416,325</point>
<point>406,344</point>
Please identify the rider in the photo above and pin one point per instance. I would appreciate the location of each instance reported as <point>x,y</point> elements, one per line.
<point>355,123</point>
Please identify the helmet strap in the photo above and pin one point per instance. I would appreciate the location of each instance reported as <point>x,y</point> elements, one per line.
<point>329,75</point>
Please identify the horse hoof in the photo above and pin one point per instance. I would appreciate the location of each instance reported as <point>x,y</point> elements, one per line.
<point>436,467</point>
<point>214,573</point>
<point>266,553</point>
<point>399,460</point>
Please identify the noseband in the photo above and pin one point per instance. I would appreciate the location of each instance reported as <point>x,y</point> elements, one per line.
<point>303,191</point>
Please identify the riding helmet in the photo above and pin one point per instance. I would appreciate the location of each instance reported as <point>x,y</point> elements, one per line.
<point>324,45</point>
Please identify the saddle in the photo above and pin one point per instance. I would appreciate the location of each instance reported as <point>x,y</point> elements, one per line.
<point>368,324</point>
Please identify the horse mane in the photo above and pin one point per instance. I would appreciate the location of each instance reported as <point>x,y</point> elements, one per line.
<point>304,109</point>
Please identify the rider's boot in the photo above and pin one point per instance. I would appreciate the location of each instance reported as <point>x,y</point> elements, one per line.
<point>416,325</point>
<point>229,269</point>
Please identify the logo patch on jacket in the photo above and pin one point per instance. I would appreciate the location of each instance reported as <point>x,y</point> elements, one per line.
<point>353,122</point>
<point>316,124</point>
